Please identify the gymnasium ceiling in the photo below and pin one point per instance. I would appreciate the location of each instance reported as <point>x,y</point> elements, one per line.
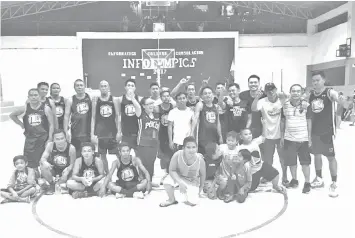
<point>67,18</point>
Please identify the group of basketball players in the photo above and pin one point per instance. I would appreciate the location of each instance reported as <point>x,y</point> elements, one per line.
<point>221,142</point>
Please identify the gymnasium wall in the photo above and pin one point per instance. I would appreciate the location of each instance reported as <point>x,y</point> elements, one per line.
<point>29,60</point>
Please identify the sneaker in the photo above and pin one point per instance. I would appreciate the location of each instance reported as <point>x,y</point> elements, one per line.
<point>332,190</point>
<point>285,182</point>
<point>119,195</point>
<point>138,195</point>
<point>292,184</point>
<point>306,188</point>
<point>78,194</point>
<point>317,183</point>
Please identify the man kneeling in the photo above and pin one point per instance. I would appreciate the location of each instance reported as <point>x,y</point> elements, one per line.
<point>188,170</point>
<point>88,173</point>
<point>57,160</point>
<point>129,182</point>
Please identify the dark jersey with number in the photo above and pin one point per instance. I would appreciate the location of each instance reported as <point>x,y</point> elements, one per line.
<point>47,102</point>
<point>81,116</point>
<point>323,117</point>
<point>59,111</point>
<point>148,130</point>
<point>88,171</point>
<point>163,115</point>
<point>207,131</point>
<point>237,115</point>
<point>35,121</point>
<point>129,120</point>
<point>105,123</point>
<point>127,172</point>
<point>60,159</point>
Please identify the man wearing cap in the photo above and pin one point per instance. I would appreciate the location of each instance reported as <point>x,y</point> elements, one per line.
<point>270,108</point>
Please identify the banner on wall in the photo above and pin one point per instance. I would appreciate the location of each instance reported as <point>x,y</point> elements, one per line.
<point>117,60</point>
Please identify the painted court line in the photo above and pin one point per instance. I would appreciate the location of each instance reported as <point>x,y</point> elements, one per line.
<point>59,232</point>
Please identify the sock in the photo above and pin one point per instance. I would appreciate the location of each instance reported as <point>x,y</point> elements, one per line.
<point>334,178</point>
<point>319,173</point>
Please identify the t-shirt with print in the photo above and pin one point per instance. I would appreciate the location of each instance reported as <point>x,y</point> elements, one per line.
<point>228,155</point>
<point>182,124</point>
<point>255,163</point>
<point>271,113</point>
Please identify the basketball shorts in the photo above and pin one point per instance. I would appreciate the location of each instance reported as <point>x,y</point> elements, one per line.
<point>292,149</point>
<point>33,150</point>
<point>267,172</point>
<point>77,141</point>
<point>192,191</point>
<point>323,145</point>
<point>127,184</point>
<point>109,145</point>
<point>131,140</point>
<point>59,171</point>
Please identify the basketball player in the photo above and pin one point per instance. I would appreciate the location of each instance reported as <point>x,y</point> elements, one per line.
<point>296,128</point>
<point>78,108</point>
<point>88,173</point>
<point>322,101</point>
<point>129,182</point>
<point>38,125</point>
<point>190,90</point>
<point>43,88</point>
<point>148,134</point>
<point>237,110</point>
<point>57,160</point>
<point>221,93</point>
<point>180,122</point>
<point>165,153</point>
<point>155,93</point>
<point>59,102</point>
<point>188,170</point>
<point>104,123</point>
<point>270,108</point>
<point>249,95</point>
<point>129,106</point>
<point>206,116</point>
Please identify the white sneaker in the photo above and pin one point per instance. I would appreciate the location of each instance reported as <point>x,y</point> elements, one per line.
<point>138,195</point>
<point>120,195</point>
<point>317,183</point>
<point>333,190</point>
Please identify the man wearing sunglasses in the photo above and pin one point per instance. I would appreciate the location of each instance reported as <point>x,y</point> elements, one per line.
<point>296,128</point>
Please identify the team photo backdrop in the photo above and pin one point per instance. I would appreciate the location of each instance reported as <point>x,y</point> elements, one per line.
<point>117,60</point>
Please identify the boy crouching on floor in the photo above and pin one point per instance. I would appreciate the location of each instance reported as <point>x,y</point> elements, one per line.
<point>22,183</point>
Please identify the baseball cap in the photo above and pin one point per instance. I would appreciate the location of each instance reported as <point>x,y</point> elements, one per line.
<point>269,87</point>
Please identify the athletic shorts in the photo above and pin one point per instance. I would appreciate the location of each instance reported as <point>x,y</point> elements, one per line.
<point>59,171</point>
<point>267,172</point>
<point>109,145</point>
<point>33,150</point>
<point>127,184</point>
<point>77,141</point>
<point>323,145</point>
<point>292,149</point>
<point>192,191</point>
<point>130,140</point>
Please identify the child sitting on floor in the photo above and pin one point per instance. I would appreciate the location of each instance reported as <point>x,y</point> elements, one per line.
<point>213,158</point>
<point>22,182</point>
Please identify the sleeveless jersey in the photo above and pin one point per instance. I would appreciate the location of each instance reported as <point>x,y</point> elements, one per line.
<point>190,173</point>
<point>207,130</point>
<point>163,115</point>
<point>105,123</point>
<point>129,120</point>
<point>148,130</point>
<point>323,113</point>
<point>192,104</point>
<point>21,179</point>
<point>127,172</point>
<point>35,121</point>
<point>88,171</point>
<point>59,111</point>
<point>81,116</point>
<point>237,115</point>
<point>60,159</point>
<point>47,102</point>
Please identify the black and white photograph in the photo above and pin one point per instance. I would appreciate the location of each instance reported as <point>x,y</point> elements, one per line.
<point>177,119</point>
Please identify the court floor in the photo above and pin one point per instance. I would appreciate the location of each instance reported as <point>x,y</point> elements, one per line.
<point>264,214</point>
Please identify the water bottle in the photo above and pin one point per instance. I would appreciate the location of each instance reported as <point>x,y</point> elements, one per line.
<point>57,185</point>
